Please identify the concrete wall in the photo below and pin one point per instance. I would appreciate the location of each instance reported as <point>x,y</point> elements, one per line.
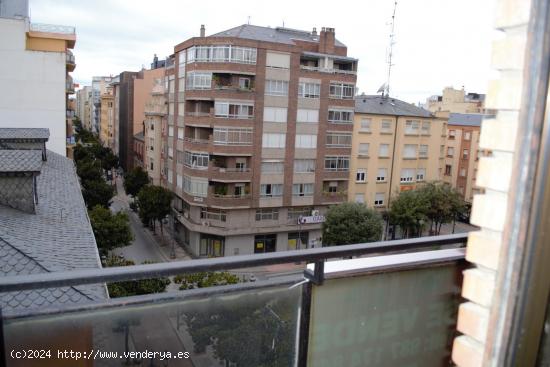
<point>32,92</point>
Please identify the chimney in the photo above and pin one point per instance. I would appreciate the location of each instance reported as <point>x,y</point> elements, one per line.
<point>314,32</point>
<point>327,40</point>
<point>203,30</point>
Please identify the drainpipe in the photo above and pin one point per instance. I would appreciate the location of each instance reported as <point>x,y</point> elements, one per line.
<point>391,177</point>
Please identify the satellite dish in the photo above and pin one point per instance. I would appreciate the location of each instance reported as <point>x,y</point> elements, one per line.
<point>382,88</point>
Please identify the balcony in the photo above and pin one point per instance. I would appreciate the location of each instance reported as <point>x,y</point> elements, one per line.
<point>400,299</point>
<point>69,85</point>
<point>71,64</point>
<point>230,174</point>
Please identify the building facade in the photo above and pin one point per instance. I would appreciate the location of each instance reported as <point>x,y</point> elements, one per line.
<point>252,143</point>
<point>457,101</point>
<point>462,153</point>
<point>155,119</point>
<point>38,98</point>
<point>396,146</point>
<point>99,88</point>
<point>84,106</point>
<point>106,120</point>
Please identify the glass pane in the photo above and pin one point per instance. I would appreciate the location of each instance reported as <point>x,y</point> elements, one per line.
<point>400,318</point>
<point>243,328</point>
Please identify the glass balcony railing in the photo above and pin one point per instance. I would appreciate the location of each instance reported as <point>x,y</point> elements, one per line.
<point>394,304</point>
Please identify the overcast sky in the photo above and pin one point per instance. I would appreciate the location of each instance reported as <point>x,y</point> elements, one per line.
<point>438,42</point>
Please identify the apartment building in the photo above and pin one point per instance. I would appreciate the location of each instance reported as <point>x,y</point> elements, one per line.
<point>38,98</point>
<point>253,150</point>
<point>84,104</point>
<point>462,153</point>
<point>155,118</point>
<point>106,119</point>
<point>457,101</point>
<point>99,88</point>
<point>396,145</point>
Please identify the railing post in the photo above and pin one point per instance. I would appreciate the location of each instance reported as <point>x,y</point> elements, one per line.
<point>305,310</point>
<point>319,273</point>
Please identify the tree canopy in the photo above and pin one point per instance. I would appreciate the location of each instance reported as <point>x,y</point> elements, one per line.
<point>135,180</point>
<point>111,230</point>
<point>349,223</point>
<point>97,192</point>
<point>409,211</point>
<point>154,204</point>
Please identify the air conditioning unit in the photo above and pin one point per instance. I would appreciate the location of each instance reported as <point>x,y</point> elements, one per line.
<point>315,213</point>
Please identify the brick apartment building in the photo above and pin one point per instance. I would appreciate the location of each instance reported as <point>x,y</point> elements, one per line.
<point>248,146</point>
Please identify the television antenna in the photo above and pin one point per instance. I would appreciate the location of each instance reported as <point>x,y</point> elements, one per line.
<point>390,51</point>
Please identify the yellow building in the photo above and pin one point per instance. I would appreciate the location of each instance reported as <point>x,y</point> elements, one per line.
<point>106,123</point>
<point>457,101</point>
<point>395,146</point>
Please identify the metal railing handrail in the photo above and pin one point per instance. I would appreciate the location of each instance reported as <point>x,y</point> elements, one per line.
<point>116,274</point>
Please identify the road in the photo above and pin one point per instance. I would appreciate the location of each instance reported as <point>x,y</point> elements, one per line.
<point>144,246</point>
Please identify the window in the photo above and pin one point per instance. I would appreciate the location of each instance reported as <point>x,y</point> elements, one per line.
<point>180,133</point>
<point>441,150</point>
<point>170,152</point>
<point>465,154</point>
<point>265,243</point>
<point>450,151</point>
<point>384,150</point>
<point>179,181</point>
<point>277,60</point>
<point>364,149</point>
<point>341,90</point>
<point>304,165</point>
<point>274,140</point>
<point>452,134</point>
<point>151,164</point>
<point>309,90</point>
<point>181,109</point>
<point>306,141</point>
<point>385,126</point>
<point>361,175</point>
<point>171,108</point>
<point>297,212</point>
<point>332,186</point>
<point>365,125</point>
<point>271,190</point>
<point>409,152</point>
<point>196,80</point>
<point>448,169</point>
<point>213,214</point>
<point>302,189</point>
<point>210,245</point>
<point>336,163</point>
<point>170,176</point>
<point>244,83</point>
<point>463,172</point>
<point>272,167</point>
<point>232,136</point>
<point>338,140</point>
<point>234,110</point>
<point>196,160</point>
<point>426,127</point>
<point>411,127</point>
<point>267,214</point>
<point>337,116</point>
<point>407,175</point>
<point>276,87</point>
<point>275,114</point>
<point>221,53</point>
<point>467,135</point>
<point>423,151</point>
<point>381,176</point>
<point>420,174</point>
<point>360,198</point>
<point>379,199</point>
<point>151,144</point>
<point>195,186</point>
<point>170,131</point>
<point>181,82</point>
<point>307,115</point>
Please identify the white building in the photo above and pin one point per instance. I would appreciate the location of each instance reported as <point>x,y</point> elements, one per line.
<point>34,64</point>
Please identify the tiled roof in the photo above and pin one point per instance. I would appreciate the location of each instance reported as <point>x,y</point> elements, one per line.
<point>58,237</point>
<point>24,133</point>
<point>20,160</point>
<point>378,105</point>
<point>467,119</point>
<point>267,34</point>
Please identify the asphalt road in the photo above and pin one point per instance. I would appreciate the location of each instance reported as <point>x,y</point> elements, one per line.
<point>144,246</point>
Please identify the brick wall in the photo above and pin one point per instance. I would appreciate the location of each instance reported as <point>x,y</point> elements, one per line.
<point>489,210</point>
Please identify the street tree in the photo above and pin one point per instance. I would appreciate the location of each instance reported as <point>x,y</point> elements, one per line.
<point>111,230</point>
<point>445,204</point>
<point>135,180</point>
<point>349,223</point>
<point>89,170</point>
<point>97,192</point>
<point>154,204</point>
<point>134,287</point>
<point>409,211</point>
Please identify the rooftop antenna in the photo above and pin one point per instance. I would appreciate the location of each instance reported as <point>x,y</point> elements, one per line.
<point>390,51</point>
